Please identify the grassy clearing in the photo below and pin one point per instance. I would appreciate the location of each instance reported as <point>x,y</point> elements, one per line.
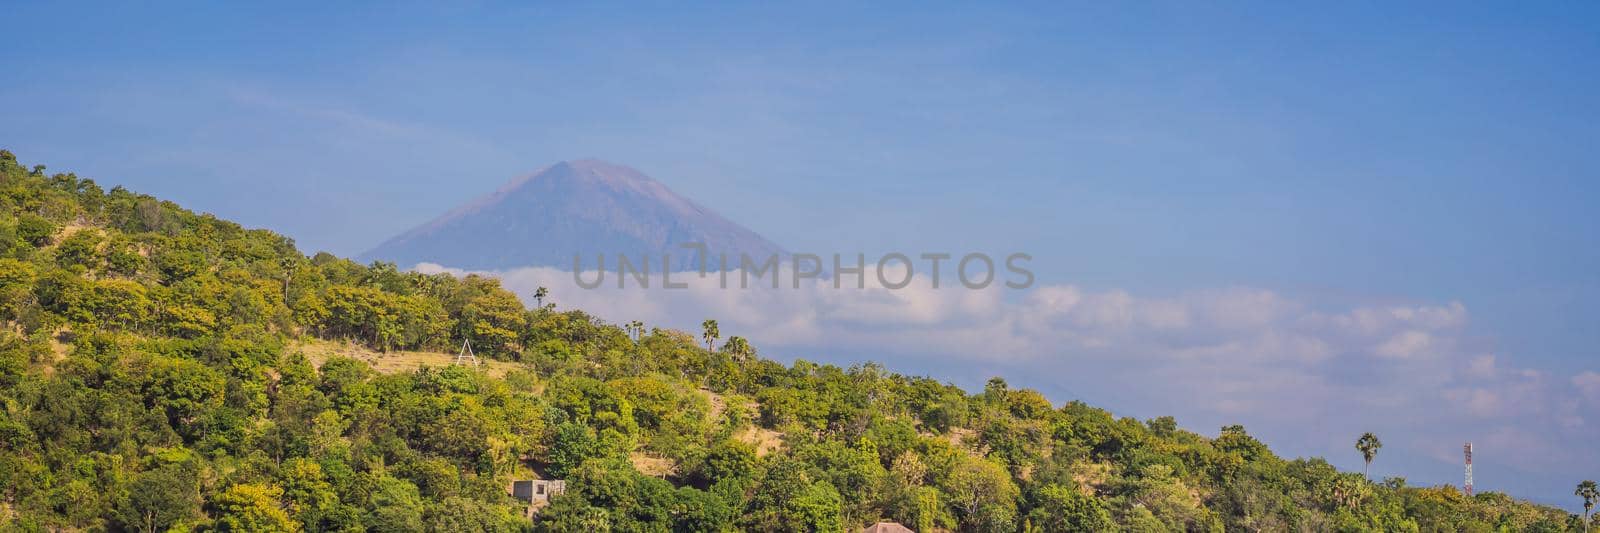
<point>652,465</point>
<point>765,440</point>
<point>390,362</point>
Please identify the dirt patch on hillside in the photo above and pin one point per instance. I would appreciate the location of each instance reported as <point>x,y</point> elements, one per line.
<point>1090,476</point>
<point>718,405</point>
<point>765,440</point>
<point>651,465</point>
<point>390,362</point>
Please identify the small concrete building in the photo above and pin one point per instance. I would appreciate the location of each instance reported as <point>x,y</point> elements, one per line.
<point>536,492</point>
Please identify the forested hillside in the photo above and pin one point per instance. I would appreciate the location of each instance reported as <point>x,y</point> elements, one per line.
<point>166,370</point>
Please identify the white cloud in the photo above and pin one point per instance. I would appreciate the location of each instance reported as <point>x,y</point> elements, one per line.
<point>1411,343</point>
<point>1588,383</point>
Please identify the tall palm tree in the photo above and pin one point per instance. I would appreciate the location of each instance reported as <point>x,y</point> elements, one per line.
<point>711,334</point>
<point>287,265</point>
<point>1368,444</point>
<point>539,294</point>
<point>1589,492</point>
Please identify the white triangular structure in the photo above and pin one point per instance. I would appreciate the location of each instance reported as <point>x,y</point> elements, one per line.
<point>466,356</point>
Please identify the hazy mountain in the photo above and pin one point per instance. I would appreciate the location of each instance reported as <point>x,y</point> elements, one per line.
<point>584,207</point>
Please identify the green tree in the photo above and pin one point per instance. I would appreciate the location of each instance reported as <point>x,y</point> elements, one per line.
<point>571,444</point>
<point>698,510</point>
<point>396,506</point>
<point>983,494</point>
<point>727,459</point>
<point>739,348</point>
<point>787,499</point>
<point>253,507</point>
<point>817,509</point>
<point>1368,445</point>
<point>468,515</point>
<point>1589,492</point>
<point>158,498</point>
<point>311,497</point>
<point>710,333</point>
<point>185,390</point>
<point>571,513</point>
<point>494,321</point>
<point>34,229</point>
<point>1066,509</point>
<point>119,303</point>
<point>80,250</point>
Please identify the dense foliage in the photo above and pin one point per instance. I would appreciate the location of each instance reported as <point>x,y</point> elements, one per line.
<point>152,379</point>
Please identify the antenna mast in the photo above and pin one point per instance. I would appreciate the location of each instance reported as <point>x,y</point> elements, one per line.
<point>1468,451</point>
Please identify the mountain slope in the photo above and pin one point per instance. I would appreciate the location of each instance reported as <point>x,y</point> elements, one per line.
<point>156,374</point>
<point>583,207</point>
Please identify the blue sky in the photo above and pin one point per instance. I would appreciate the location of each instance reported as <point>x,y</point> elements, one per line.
<point>1363,157</point>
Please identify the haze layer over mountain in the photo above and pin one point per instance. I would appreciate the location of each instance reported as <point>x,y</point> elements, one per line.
<point>586,207</point>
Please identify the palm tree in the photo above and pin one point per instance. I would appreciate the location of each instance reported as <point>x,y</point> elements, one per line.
<point>638,330</point>
<point>711,334</point>
<point>1589,492</point>
<point>739,348</point>
<point>1349,493</point>
<point>288,265</point>
<point>539,294</point>
<point>1368,444</point>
